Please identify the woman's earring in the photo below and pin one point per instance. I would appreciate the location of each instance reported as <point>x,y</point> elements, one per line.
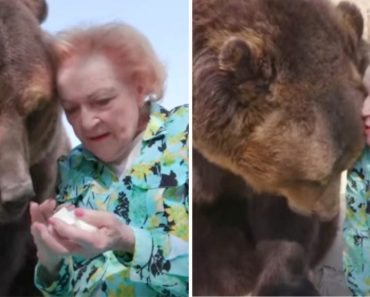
<point>150,97</point>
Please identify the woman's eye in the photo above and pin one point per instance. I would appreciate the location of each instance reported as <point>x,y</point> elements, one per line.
<point>363,90</point>
<point>70,110</point>
<point>103,102</point>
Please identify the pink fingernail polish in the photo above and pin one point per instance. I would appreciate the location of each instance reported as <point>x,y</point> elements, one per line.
<point>79,212</point>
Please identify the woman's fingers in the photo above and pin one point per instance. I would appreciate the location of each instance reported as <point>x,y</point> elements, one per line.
<point>95,217</point>
<point>36,214</point>
<point>67,206</point>
<point>55,244</point>
<point>63,239</point>
<point>36,234</point>
<point>89,244</point>
<point>41,212</point>
<point>47,208</point>
<point>75,234</point>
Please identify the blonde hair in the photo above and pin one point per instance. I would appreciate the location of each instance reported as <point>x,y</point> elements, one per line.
<point>129,51</point>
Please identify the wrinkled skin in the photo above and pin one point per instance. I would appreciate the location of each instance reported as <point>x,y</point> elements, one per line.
<point>277,94</point>
<point>31,136</point>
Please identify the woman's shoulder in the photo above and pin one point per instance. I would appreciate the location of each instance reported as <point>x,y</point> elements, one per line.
<point>76,159</point>
<point>363,159</point>
<point>180,112</point>
<point>78,167</point>
<point>173,121</point>
<point>178,119</point>
<point>360,171</point>
<point>73,157</point>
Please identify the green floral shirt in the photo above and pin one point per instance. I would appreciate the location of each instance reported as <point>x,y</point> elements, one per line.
<point>152,198</point>
<point>356,228</point>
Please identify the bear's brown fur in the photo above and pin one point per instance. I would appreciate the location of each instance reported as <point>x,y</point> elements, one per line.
<point>277,94</point>
<point>31,137</point>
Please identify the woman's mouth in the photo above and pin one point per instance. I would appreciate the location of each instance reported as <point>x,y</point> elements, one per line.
<point>99,137</point>
<point>367,130</point>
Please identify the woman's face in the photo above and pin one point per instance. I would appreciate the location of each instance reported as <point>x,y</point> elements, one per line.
<point>366,106</point>
<point>103,111</point>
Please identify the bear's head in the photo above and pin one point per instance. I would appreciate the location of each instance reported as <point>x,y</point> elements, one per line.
<point>277,95</point>
<point>28,111</point>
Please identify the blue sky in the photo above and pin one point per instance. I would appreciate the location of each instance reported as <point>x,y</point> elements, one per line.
<point>164,22</point>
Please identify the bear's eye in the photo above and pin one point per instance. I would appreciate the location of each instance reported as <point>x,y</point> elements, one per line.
<point>262,86</point>
<point>255,87</point>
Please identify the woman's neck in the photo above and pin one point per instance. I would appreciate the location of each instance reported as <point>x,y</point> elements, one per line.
<point>123,162</point>
<point>127,159</point>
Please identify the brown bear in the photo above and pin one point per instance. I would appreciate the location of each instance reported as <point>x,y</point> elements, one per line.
<point>32,137</point>
<point>277,94</point>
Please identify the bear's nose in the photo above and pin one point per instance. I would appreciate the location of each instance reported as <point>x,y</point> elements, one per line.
<point>15,206</point>
<point>15,198</point>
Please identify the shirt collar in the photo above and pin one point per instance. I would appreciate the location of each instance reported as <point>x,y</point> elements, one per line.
<point>155,127</point>
<point>135,146</point>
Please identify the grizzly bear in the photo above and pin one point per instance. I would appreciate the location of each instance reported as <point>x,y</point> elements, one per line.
<point>32,137</point>
<point>277,95</point>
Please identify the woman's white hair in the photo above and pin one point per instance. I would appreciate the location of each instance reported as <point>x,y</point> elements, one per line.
<point>129,51</point>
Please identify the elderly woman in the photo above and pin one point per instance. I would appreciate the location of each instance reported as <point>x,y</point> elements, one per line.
<point>356,228</point>
<point>128,178</point>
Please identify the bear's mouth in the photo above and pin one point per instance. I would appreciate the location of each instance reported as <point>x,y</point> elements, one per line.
<point>322,201</point>
<point>10,215</point>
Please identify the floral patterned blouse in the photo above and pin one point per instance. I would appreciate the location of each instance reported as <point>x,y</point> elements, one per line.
<point>152,198</point>
<point>356,227</point>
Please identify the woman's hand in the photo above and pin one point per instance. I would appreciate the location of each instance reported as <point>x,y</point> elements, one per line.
<point>47,242</point>
<point>112,234</point>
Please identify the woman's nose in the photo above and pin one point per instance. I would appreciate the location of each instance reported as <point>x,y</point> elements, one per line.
<point>89,119</point>
<point>366,107</point>
<point>366,79</point>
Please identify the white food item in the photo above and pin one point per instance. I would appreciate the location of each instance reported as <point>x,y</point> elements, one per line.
<point>66,216</point>
<point>69,218</point>
<point>85,226</point>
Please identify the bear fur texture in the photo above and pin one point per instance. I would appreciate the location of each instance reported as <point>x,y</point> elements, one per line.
<point>32,137</point>
<point>277,96</point>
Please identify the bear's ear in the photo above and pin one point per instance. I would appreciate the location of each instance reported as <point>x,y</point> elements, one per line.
<point>38,7</point>
<point>245,59</point>
<point>352,22</point>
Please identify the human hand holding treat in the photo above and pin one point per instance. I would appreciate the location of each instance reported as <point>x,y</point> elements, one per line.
<point>69,217</point>
<point>92,232</point>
